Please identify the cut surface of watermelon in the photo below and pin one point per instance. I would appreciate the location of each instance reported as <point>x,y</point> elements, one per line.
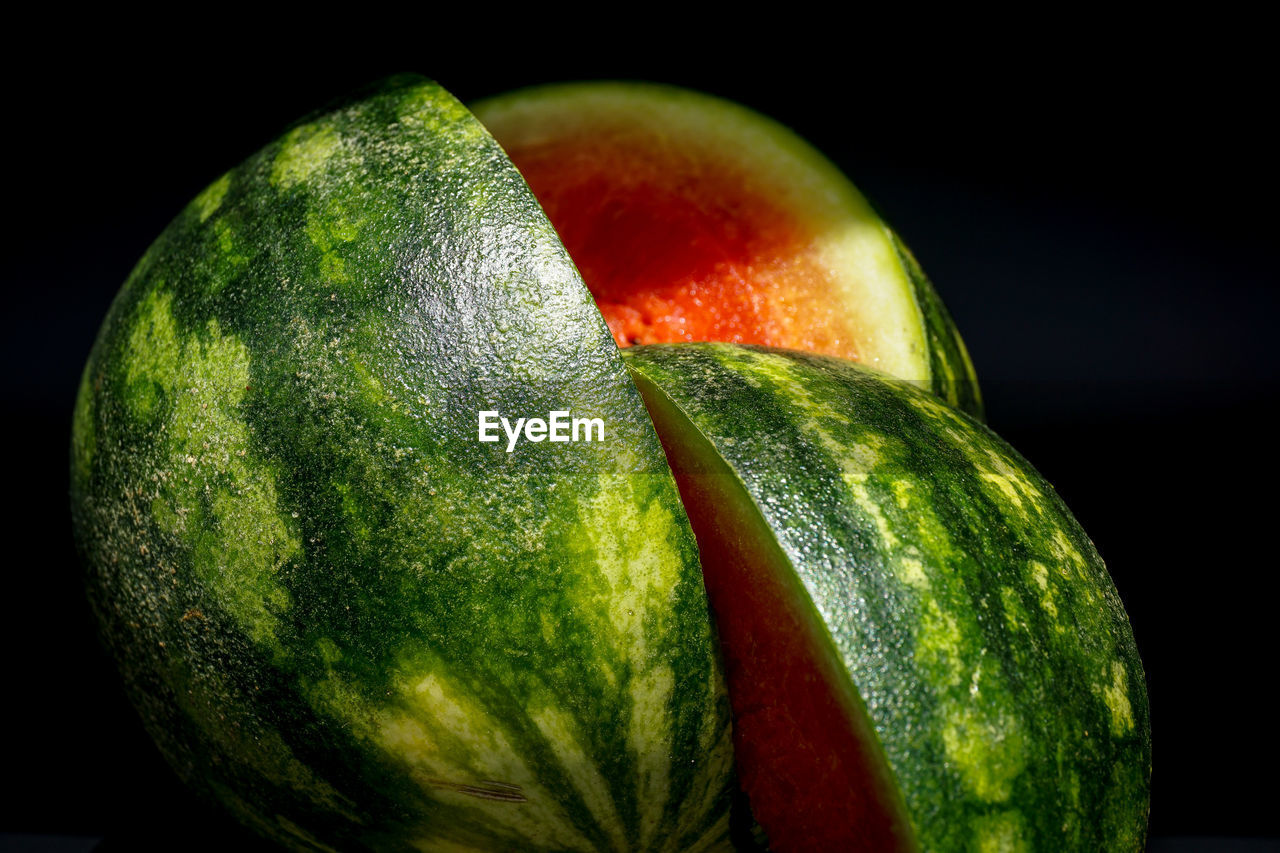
<point>695,219</point>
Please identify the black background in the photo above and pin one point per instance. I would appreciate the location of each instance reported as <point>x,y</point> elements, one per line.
<point>1094,201</point>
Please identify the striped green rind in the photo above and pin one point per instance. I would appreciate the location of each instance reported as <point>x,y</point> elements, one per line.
<point>972,614</point>
<point>908,332</point>
<point>337,611</point>
<point>951,373</point>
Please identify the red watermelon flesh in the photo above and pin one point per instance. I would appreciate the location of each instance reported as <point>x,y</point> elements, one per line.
<point>679,246</point>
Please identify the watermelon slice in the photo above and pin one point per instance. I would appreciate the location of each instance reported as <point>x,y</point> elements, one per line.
<point>923,649</point>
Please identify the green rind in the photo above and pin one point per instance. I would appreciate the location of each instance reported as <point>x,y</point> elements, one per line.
<point>855,236</point>
<point>973,615</point>
<point>337,611</point>
<point>951,372</point>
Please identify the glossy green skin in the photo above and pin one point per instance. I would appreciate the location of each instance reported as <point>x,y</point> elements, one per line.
<point>972,614</point>
<point>338,612</point>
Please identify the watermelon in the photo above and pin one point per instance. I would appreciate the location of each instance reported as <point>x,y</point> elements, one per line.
<point>923,648</point>
<point>695,219</point>
<point>341,615</point>
<point>359,624</point>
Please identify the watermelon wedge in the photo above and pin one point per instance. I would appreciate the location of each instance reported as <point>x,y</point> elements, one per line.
<point>923,648</point>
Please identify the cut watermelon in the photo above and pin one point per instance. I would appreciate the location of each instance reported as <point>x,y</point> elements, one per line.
<point>358,627</point>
